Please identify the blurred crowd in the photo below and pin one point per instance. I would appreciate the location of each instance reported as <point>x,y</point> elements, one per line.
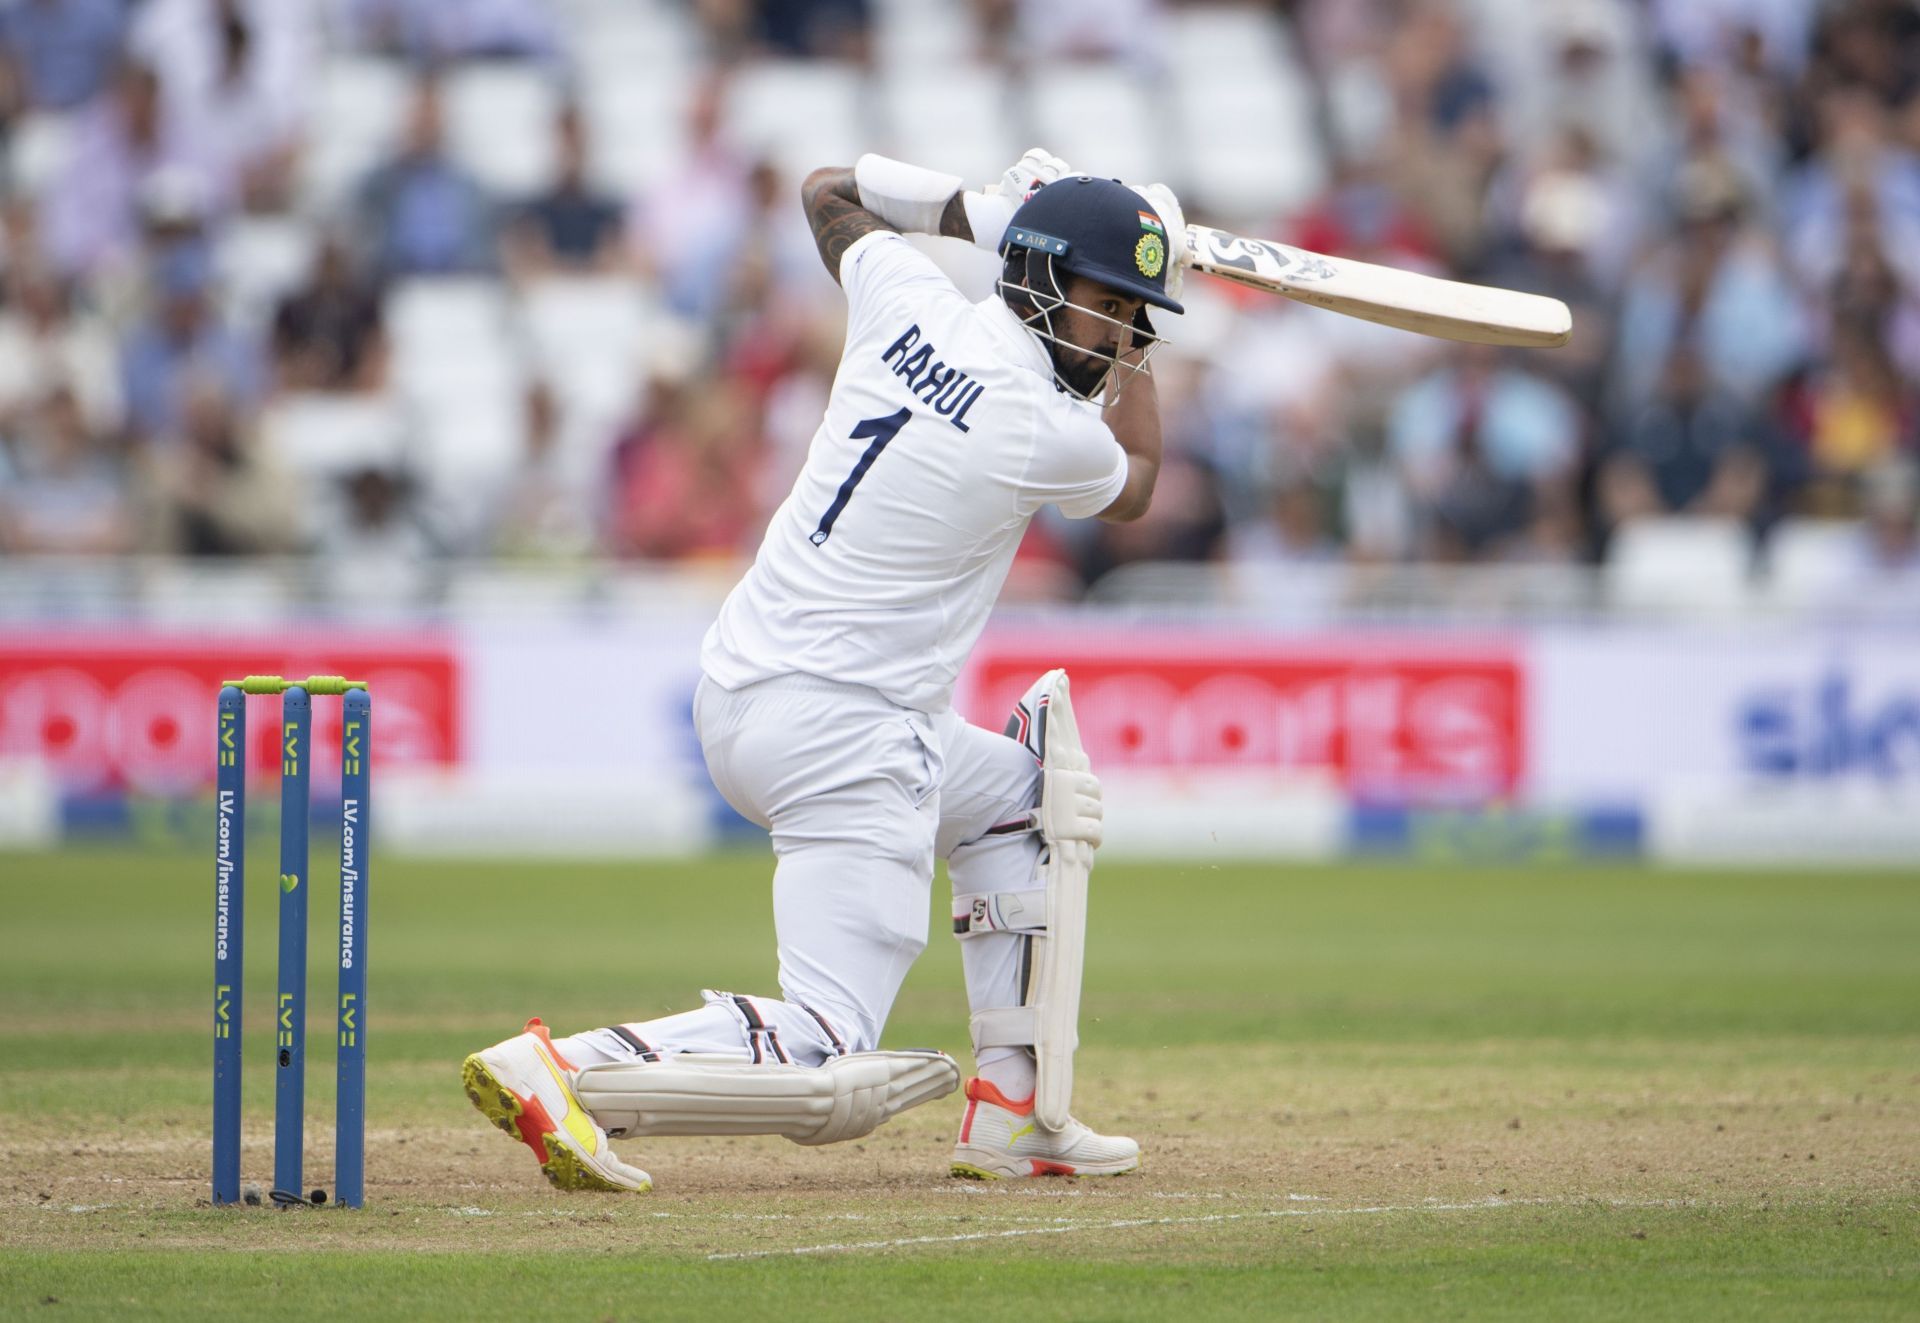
<point>1727,193</point>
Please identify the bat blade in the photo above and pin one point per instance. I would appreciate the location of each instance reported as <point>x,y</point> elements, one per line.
<point>1450,309</point>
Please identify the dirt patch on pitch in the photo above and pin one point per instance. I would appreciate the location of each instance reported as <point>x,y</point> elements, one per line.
<point>1228,1131</point>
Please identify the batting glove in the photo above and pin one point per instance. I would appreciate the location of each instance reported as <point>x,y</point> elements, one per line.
<point>1167,206</point>
<point>990,211</point>
<point>1029,174</point>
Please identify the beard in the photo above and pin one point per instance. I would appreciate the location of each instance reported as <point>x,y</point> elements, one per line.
<point>1082,371</point>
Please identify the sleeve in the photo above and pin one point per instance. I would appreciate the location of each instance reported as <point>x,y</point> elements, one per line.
<point>879,268</point>
<point>1075,464</point>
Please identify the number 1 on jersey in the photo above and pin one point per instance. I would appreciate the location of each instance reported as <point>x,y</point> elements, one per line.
<point>882,430</point>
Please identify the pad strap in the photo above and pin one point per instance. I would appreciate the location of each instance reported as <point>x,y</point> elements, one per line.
<point>1002,912</point>
<point>763,1039</point>
<point>1004,1026</point>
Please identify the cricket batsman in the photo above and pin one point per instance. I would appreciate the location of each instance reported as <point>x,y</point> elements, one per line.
<point>825,705</point>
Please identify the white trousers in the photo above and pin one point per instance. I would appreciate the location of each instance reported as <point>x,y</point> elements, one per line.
<point>860,796</point>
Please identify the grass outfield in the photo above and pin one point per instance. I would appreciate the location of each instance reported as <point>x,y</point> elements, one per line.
<point>1372,1092</point>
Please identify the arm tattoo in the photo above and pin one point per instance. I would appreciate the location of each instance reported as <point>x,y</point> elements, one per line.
<point>832,201</point>
<point>953,221</point>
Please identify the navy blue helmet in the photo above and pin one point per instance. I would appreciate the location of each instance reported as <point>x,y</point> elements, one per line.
<point>1101,229</point>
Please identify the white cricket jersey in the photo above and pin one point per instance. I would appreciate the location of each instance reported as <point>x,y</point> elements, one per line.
<point>944,435</point>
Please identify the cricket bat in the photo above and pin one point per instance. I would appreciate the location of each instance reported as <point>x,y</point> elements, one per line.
<point>1449,309</point>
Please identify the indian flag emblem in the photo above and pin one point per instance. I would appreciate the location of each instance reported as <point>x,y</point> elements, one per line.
<point>1149,221</point>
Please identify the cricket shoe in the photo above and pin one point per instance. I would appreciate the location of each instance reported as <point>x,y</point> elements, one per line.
<point>1000,1140</point>
<point>522,1086</point>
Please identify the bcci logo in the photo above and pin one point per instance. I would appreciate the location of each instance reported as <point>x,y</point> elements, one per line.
<point>1150,255</point>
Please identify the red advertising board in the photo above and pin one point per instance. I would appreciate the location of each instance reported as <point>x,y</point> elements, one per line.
<point>132,710</point>
<point>1388,717</point>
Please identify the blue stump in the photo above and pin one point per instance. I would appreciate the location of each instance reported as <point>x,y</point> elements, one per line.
<point>229,936</point>
<point>350,1107</point>
<point>290,1016</point>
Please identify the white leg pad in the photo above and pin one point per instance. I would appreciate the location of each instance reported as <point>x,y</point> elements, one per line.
<point>1070,820</point>
<point>845,1098</point>
<point>1059,959</point>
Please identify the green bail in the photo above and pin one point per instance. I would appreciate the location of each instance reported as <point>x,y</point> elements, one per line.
<point>313,684</point>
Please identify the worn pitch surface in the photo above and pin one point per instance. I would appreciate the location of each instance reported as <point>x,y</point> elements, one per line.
<point>1364,1092</point>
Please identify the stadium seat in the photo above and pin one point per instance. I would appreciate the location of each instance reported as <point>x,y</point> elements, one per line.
<point>460,373</point>
<point>446,317</point>
<point>1228,41</point>
<point>315,434</point>
<point>632,40</point>
<point>1680,566</point>
<point>260,259</point>
<point>357,116</point>
<point>957,122</point>
<point>634,127</point>
<point>1810,559</point>
<point>500,126</point>
<point>1252,151</point>
<point>587,336</point>
<point>1243,111</point>
<point>39,144</point>
<point>912,38</point>
<point>799,115</point>
<point>1095,117</point>
<point>466,442</point>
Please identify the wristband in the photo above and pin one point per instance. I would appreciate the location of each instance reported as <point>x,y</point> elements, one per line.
<point>988,215</point>
<point>907,197</point>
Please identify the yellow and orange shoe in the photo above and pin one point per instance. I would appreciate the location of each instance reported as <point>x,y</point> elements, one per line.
<point>1000,1140</point>
<point>523,1086</point>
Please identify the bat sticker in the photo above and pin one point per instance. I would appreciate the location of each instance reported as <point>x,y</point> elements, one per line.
<point>1258,257</point>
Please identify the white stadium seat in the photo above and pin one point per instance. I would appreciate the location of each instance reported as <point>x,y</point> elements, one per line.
<point>958,122</point>
<point>446,380</point>
<point>634,62</point>
<point>1243,112</point>
<point>459,369</point>
<point>1098,119</point>
<point>438,315</point>
<point>357,117</point>
<point>500,126</point>
<point>1680,566</point>
<point>637,40</point>
<point>468,441</point>
<point>1808,560</point>
<point>1250,148</point>
<point>587,336</point>
<point>39,149</point>
<point>259,260</point>
<point>800,115</point>
<point>321,434</point>
<point>1226,40</point>
<point>924,38</point>
<point>634,129</point>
